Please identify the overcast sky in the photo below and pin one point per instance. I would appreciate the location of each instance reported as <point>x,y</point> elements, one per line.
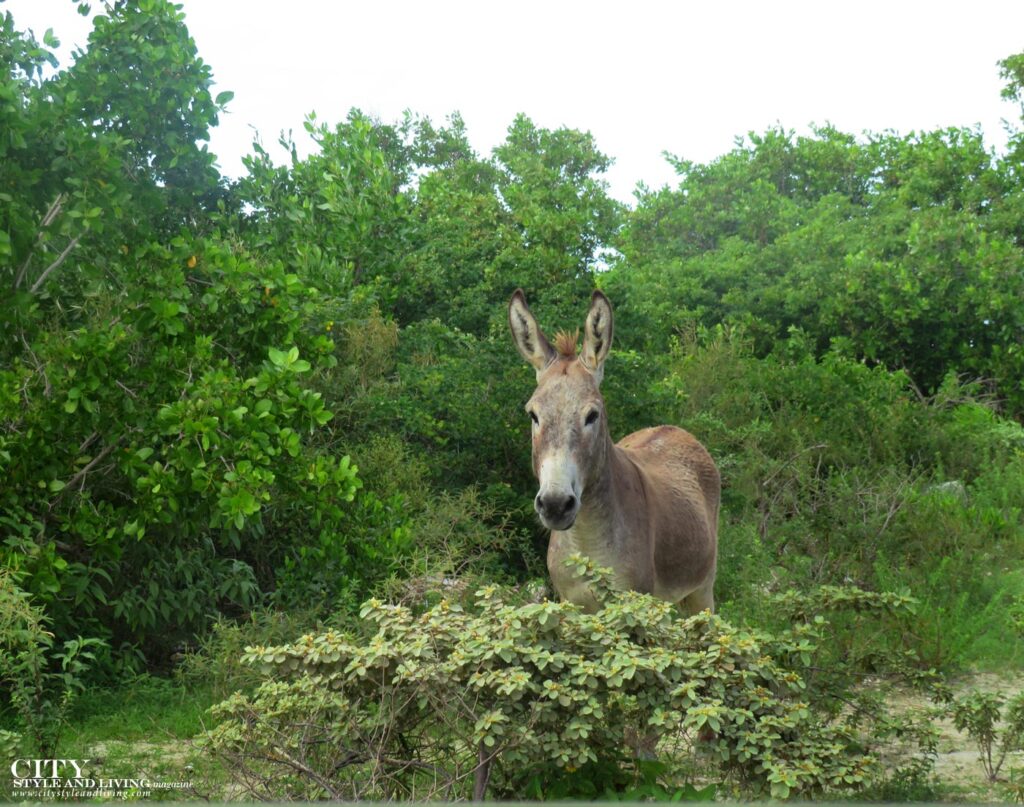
<point>643,77</point>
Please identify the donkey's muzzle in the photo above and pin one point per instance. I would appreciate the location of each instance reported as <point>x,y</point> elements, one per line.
<point>557,510</point>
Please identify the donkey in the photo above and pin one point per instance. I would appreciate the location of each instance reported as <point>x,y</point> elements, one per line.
<point>647,507</point>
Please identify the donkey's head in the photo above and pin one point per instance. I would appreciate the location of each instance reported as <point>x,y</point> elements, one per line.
<point>570,431</point>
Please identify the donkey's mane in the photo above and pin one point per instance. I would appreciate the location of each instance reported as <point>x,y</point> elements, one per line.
<point>565,343</point>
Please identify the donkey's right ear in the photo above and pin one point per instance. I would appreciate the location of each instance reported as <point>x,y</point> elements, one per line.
<point>526,333</point>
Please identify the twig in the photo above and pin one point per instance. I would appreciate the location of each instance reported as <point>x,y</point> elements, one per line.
<point>283,756</point>
<point>87,442</point>
<point>48,218</point>
<point>47,388</point>
<point>130,392</point>
<point>81,474</point>
<point>899,500</point>
<point>791,460</point>
<point>408,763</point>
<point>55,264</point>
<point>766,512</point>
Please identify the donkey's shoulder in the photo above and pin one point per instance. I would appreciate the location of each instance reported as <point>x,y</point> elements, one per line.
<point>667,440</point>
<point>672,456</point>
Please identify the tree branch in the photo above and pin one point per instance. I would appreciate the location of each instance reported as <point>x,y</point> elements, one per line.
<point>48,218</point>
<point>80,476</point>
<point>47,388</point>
<point>55,264</point>
<point>297,765</point>
<point>482,773</point>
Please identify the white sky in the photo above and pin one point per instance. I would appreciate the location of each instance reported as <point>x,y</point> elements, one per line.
<point>644,77</point>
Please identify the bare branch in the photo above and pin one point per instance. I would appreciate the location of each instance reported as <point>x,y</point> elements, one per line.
<point>48,218</point>
<point>47,388</point>
<point>87,442</point>
<point>130,392</point>
<point>301,767</point>
<point>55,264</point>
<point>80,476</point>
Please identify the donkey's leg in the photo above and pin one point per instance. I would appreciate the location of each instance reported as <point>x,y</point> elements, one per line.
<point>642,743</point>
<point>699,600</point>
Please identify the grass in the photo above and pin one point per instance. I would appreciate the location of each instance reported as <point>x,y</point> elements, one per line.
<point>1000,645</point>
<point>145,728</point>
<point>144,709</point>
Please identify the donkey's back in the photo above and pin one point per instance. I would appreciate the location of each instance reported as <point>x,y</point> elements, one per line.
<point>682,490</point>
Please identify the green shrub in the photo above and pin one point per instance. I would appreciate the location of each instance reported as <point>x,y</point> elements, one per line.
<point>214,662</point>
<point>839,473</point>
<point>996,732</point>
<point>508,698</point>
<point>461,541</point>
<point>41,677</point>
<point>188,463</point>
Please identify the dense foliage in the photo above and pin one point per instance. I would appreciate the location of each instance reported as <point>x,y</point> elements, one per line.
<point>902,251</point>
<point>540,698</point>
<point>296,390</point>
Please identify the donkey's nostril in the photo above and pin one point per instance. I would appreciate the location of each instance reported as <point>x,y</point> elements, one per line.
<point>555,506</point>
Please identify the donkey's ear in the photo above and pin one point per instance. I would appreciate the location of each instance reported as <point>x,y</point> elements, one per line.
<point>597,336</point>
<point>526,333</point>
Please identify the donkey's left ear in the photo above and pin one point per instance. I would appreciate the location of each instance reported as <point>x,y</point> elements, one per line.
<point>597,337</point>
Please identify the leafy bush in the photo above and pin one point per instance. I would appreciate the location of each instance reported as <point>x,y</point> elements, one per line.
<point>463,541</point>
<point>980,715</point>
<point>187,453</point>
<point>451,396</point>
<point>214,663</point>
<point>839,473</point>
<point>158,425</point>
<point>505,698</point>
<point>42,678</point>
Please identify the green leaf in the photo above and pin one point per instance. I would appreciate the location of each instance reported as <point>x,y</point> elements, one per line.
<point>278,357</point>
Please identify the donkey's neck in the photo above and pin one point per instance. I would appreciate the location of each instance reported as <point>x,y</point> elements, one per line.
<point>604,522</point>
<point>612,528</point>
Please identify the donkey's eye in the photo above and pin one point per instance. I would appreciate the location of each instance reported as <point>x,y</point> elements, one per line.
<point>591,418</point>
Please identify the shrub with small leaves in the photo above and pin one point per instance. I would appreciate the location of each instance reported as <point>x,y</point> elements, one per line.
<point>501,698</point>
<point>980,715</point>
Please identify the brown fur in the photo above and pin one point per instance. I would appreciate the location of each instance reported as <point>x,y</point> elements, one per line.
<point>565,343</point>
<point>647,506</point>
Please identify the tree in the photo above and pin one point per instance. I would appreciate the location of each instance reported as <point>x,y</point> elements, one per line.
<point>156,418</point>
<point>900,250</point>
